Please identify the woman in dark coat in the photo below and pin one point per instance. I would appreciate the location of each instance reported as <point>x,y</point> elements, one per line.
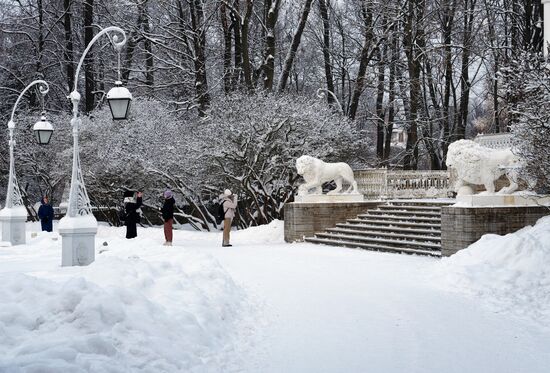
<point>168,216</point>
<point>131,205</point>
<point>45,214</point>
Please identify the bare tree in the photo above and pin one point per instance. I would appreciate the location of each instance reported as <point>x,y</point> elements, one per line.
<point>291,54</point>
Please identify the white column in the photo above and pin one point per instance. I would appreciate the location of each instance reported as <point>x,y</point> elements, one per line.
<point>546,26</point>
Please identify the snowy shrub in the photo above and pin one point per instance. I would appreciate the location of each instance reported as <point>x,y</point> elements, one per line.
<point>251,142</point>
<point>528,99</point>
<point>248,143</point>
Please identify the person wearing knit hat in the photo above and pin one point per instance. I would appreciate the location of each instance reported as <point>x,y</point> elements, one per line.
<point>229,204</point>
<point>168,216</point>
<point>132,204</point>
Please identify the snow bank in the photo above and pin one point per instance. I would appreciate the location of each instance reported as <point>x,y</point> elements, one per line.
<point>264,234</point>
<point>511,273</point>
<point>166,311</point>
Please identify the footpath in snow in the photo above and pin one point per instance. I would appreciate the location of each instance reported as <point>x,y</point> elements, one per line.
<point>266,306</point>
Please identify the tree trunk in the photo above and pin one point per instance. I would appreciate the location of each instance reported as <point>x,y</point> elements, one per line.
<point>447,26</point>
<point>40,41</point>
<point>413,42</point>
<point>89,60</point>
<point>132,43</point>
<point>68,52</point>
<point>380,116</point>
<point>226,48</point>
<point>283,78</point>
<point>272,13</point>
<point>366,55</point>
<point>149,62</point>
<point>247,69</point>
<point>391,97</point>
<point>238,52</point>
<point>326,50</point>
<point>199,45</point>
<point>493,42</point>
<point>465,83</point>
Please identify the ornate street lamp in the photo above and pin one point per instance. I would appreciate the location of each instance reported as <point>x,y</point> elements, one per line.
<point>14,215</point>
<point>79,226</point>
<point>43,130</point>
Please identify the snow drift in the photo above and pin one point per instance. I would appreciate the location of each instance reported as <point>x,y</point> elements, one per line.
<point>510,273</point>
<point>170,311</point>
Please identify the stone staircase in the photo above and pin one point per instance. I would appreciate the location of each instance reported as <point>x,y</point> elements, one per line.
<point>399,226</point>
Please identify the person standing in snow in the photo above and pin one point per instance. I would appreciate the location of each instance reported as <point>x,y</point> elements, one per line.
<point>168,216</point>
<point>229,204</point>
<point>45,214</point>
<point>131,205</point>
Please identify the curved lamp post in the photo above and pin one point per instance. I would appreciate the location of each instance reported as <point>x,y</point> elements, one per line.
<point>321,94</point>
<point>14,215</point>
<point>79,226</point>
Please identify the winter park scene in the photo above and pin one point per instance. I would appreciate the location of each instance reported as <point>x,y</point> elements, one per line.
<point>275,186</point>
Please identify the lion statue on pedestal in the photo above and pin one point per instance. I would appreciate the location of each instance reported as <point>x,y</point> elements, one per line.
<point>479,165</point>
<point>316,172</point>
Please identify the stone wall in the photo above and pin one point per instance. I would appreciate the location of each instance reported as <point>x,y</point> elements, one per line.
<point>462,226</point>
<point>305,219</point>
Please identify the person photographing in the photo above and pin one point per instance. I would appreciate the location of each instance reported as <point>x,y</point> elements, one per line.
<point>132,203</point>
<point>229,204</point>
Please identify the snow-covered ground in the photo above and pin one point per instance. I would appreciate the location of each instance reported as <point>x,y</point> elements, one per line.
<point>266,306</point>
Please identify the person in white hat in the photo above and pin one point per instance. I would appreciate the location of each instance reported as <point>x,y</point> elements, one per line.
<point>229,204</point>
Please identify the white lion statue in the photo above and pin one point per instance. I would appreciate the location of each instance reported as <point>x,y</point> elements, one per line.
<point>479,165</point>
<point>316,172</point>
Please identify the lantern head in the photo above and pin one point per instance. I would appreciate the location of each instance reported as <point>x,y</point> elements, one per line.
<point>43,131</point>
<point>119,99</point>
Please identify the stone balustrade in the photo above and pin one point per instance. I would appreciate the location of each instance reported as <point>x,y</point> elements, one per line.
<point>495,140</point>
<point>383,183</point>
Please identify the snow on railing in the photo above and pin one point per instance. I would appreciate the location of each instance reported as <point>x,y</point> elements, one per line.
<point>495,140</point>
<point>383,183</point>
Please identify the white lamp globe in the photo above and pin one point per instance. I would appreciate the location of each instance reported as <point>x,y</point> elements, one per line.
<point>43,131</point>
<point>119,99</point>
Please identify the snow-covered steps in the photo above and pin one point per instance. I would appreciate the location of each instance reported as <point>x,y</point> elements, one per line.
<point>386,234</point>
<point>383,228</point>
<point>410,227</point>
<point>396,223</point>
<point>373,247</point>
<point>381,215</point>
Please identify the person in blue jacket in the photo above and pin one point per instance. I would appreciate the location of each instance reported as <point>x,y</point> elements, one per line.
<point>45,214</point>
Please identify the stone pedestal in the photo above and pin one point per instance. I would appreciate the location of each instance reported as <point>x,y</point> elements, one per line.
<point>464,225</point>
<point>13,225</point>
<point>303,219</point>
<point>77,240</point>
<point>501,200</point>
<point>329,198</point>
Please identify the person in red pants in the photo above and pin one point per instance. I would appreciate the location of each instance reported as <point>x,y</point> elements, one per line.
<point>168,216</point>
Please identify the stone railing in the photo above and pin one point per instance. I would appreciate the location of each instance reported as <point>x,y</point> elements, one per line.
<point>372,182</point>
<point>495,140</point>
<point>384,183</point>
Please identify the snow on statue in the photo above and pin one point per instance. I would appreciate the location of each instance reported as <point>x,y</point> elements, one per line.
<point>316,172</point>
<point>479,165</point>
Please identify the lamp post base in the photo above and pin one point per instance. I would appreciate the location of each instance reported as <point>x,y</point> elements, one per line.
<point>77,240</point>
<point>13,225</point>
